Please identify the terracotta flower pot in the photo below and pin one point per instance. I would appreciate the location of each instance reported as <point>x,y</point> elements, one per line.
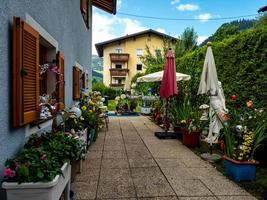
<point>240,170</point>
<point>191,139</point>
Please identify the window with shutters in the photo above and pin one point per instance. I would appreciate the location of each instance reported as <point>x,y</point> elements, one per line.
<point>35,76</point>
<point>84,4</point>
<point>76,83</point>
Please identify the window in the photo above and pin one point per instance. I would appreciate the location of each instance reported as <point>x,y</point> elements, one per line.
<point>119,81</point>
<point>118,50</point>
<point>139,52</point>
<point>118,66</point>
<point>158,52</point>
<point>139,67</point>
<point>76,83</point>
<point>84,6</point>
<point>30,78</point>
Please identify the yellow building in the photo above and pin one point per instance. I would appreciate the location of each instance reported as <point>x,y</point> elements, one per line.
<point>121,56</point>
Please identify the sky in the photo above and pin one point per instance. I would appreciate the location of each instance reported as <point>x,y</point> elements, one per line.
<point>200,13</point>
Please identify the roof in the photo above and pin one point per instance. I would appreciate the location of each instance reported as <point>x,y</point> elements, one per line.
<point>106,5</point>
<point>100,46</point>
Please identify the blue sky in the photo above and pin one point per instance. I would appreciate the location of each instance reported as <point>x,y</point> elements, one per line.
<point>106,26</point>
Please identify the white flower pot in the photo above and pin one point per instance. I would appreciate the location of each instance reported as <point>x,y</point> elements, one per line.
<point>41,191</point>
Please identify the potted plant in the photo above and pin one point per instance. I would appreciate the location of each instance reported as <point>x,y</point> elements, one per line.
<point>244,133</point>
<point>191,135</point>
<point>41,169</point>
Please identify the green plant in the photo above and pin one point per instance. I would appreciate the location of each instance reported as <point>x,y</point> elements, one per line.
<point>41,158</point>
<point>245,131</point>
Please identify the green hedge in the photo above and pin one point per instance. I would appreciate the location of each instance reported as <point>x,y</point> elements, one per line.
<point>241,65</point>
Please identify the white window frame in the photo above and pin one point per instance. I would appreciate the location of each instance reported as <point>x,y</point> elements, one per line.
<point>119,50</point>
<point>139,52</point>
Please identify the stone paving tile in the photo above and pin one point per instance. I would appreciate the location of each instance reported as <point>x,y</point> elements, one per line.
<point>197,198</point>
<point>116,188</point>
<point>114,163</point>
<point>177,173</point>
<point>189,187</point>
<point>114,154</point>
<point>169,163</point>
<point>150,182</point>
<point>220,185</point>
<point>93,155</point>
<point>196,162</point>
<point>117,199</point>
<point>85,190</point>
<point>160,198</point>
<point>91,163</point>
<point>142,162</point>
<point>90,175</point>
<point>115,174</point>
<point>236,198</point>
<point>114,148</point>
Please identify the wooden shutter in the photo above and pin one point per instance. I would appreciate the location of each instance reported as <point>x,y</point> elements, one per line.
<point>61,78</point>
<point>85,12</point>
<point>25,73</point>
<point>76,83</point>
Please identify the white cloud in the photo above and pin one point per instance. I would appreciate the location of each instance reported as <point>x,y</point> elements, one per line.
<point>204,17</point>
<point>161,30</point>
<point>201,39</point>
<point>119,3</point>
<point>187,7</point>
<point>131,26</point>
<point>106,27</point>
<point>175,2</point>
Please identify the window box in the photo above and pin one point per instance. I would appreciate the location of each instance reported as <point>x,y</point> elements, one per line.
<point>35,191</point>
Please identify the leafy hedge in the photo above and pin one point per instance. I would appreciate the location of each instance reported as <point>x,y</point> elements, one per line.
<point>241,65</point>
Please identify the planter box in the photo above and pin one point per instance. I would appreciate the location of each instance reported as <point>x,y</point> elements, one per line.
<point>240,170</point>
<point>41,191</point>
<point>191,139</point>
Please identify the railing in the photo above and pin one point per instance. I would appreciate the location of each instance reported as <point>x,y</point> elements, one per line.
<point>116,85</point>
<point>118,72</point>
<point>119,57</point>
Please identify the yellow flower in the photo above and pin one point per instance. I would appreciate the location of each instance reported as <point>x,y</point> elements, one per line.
<point>84,108</point>
<point>90,111</point>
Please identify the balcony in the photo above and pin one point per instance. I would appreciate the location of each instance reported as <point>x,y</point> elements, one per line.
<point>118,72</point>
<point>116,85</point>
<point>119,57</point>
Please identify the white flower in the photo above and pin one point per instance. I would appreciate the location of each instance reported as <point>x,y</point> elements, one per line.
<point>117,98</point>
<point>123,96</point>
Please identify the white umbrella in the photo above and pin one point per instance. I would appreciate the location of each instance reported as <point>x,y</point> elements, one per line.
<point>209,85</point>
<point>157,76</point>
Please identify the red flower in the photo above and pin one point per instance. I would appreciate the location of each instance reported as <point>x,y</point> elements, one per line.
<point>234,97</point>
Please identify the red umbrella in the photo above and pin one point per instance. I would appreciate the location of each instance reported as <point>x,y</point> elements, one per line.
<point>168,87</point>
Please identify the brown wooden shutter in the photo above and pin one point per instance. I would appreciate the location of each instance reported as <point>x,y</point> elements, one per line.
<point>61,78</point>
<point>76,83</point>
<point>25,73</point>
<point>85,12</point>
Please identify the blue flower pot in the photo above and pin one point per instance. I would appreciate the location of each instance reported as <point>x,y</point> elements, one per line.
<point>240,170</point>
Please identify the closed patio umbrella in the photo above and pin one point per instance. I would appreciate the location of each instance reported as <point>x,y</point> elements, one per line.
<point>210,86</point>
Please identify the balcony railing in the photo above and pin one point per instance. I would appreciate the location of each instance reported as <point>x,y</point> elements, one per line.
<point>119,57</point>
<point>116,85</point>
<point>118,72</point>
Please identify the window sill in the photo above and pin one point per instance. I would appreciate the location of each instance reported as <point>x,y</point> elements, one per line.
<point>38,126</point>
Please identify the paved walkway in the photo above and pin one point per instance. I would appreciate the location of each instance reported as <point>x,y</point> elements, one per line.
<point>129,162</point>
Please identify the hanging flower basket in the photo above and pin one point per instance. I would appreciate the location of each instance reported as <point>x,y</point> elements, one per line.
<point>240,170</point>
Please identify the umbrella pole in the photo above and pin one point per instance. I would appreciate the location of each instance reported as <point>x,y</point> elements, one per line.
<point>166,115</point>
<point>211,149</point>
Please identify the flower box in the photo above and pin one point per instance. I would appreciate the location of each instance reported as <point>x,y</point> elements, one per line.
<point>240,170</point>
<point>41,191</point>
<point>191,139</point>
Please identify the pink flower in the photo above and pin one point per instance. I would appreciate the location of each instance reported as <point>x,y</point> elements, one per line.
<point>9,173</point>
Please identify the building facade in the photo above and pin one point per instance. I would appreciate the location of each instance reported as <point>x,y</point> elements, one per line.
<point>122,56</point>
<point>37,35</point>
